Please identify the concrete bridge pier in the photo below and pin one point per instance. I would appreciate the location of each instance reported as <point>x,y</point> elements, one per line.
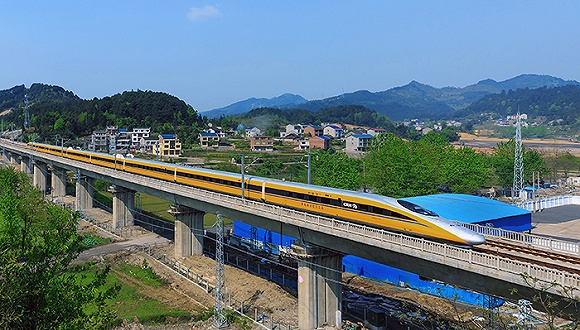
<point>39,177</point>
<point>25,165</point>
<point>58,182</point>
<point>188,230</point>
<point>123,204</point>
<point>5,159</point>
<point>85,192</point>
<point>14,160</point>
<point>319,287</point>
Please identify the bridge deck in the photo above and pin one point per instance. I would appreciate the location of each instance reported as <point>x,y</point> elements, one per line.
<point>349,235</point>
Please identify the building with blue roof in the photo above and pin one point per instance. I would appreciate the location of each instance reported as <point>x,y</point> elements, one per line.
<point>320,142</point>
<point>168,145</point>
<point>358,142</point>
<point>476,210</point>
<point>333,131</point>
<point>206,139</point>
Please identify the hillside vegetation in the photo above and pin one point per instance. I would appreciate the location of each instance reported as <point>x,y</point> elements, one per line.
<point>55,111</point>
<point>546,100</point>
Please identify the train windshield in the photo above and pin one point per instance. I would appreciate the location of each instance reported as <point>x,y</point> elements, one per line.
<point>416,208</point>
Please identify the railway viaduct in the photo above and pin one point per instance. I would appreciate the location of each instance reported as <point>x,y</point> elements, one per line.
<point>323,241</point>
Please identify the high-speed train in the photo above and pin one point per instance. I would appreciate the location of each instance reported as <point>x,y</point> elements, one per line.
<point>362,208</point>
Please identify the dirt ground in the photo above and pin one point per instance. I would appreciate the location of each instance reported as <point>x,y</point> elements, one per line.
<point>254,291</point>
<point>544,146</point>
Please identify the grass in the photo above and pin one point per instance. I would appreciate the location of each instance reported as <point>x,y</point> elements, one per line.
<point>92,239</point>
<point>130,303</point>
<point>158,207</point>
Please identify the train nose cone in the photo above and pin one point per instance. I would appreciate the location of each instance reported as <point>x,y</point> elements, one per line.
<point>475,239</point>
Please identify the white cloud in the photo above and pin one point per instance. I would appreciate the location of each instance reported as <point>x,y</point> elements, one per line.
<point>198,14</point>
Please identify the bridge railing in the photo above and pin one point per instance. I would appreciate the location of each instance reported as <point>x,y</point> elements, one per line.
<point>485,264</point>
<point>536,241</point>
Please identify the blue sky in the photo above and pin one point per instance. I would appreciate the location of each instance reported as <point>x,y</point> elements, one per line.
<point>212,54</point>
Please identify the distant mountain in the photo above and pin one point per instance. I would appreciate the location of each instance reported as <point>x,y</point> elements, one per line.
<point>414,100</point>
<point>241,107</point>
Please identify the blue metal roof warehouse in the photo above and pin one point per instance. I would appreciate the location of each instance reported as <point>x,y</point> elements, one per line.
<point>479,210</point>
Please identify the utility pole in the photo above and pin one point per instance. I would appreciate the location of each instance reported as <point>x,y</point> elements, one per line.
<point>220,320</point>
<point>309,167</point>
<point>518,161</point>
<point>243,181</point>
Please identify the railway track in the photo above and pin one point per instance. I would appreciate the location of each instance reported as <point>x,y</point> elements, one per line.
<point>521,251</point>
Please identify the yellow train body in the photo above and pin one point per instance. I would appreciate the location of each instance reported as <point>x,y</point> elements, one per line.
<point>367,209</point>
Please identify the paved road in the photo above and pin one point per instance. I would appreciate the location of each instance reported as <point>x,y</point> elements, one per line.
<point>131,243</point>
<point>562,222</point>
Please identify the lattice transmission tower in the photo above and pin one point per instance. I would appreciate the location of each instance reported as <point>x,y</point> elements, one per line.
<point>220,320</point>
<point>26,113</point>
<point>518,185</point>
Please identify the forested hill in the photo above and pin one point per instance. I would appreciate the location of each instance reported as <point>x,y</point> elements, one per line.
<point>14,97</point>
<point>353,114</point>
<point>273,119</point>
<point>71,117</point>
<point>550,103</point>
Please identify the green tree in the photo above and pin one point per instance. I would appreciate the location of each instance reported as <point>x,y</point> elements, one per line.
<point>59,125</point>
<point>502,161</point>
<point>399,168</point>
<point>465,171</point>
<point>336,170</point>
<point>39,289</point>
<point>388,166</point>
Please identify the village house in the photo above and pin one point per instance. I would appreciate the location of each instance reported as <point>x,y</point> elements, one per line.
<point>168,145</point>
<point>333,131</point>
<point>262,143</point>
<point>313,130</point>
<point>138,133</point>
<point>320,142</point>
<point>99,142</point>
<point>207,139</point>
<point>376,131</point>
<point>253,132</point>
<point>357,142</point>
<point>296,129</point>
<point>146,144</point>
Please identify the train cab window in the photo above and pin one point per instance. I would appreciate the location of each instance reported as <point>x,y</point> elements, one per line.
<point>416,208</point>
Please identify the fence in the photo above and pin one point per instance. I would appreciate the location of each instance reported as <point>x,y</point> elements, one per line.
<point>537,205</point>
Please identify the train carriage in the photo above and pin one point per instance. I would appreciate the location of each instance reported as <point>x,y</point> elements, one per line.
<point>363,208</point>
